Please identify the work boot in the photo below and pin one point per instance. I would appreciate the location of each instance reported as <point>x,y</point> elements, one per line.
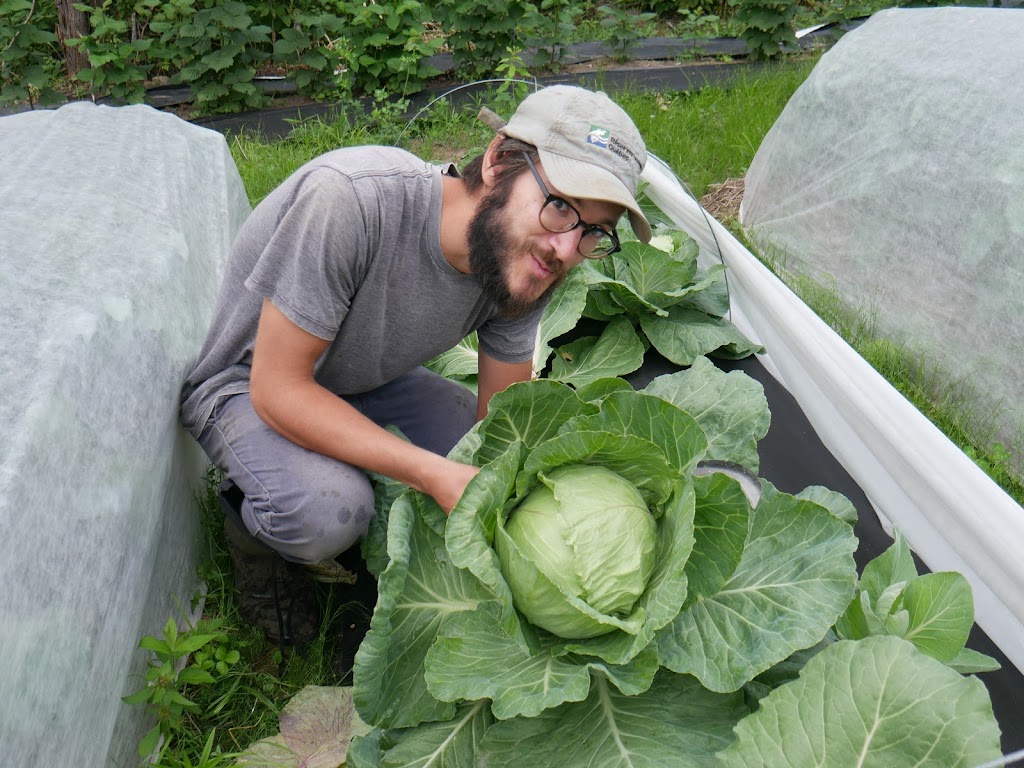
<point>274,595</point>
<point>330,572</point>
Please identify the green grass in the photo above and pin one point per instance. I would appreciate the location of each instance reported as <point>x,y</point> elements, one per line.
<point>263,165</point>
<point>706,137</point>
<point>438,133</point>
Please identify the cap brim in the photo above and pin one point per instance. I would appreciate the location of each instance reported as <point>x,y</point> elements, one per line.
<point>575,178</point>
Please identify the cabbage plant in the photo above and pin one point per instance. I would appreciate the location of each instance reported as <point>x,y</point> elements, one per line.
<point>509,639</point>
<point>645,295</point>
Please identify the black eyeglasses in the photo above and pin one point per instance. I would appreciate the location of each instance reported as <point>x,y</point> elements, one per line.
<point>558,215</point>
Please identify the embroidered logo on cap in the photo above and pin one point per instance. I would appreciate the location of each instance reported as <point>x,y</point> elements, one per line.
<point>599,136</point>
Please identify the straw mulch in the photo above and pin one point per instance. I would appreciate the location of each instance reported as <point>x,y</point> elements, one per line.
<point>723,200</point>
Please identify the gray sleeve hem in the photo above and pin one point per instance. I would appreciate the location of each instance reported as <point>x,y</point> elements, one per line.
<point>503,357</point>
<point>304,322</point>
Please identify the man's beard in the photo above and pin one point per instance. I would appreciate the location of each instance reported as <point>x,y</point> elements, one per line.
<point>491,250</point>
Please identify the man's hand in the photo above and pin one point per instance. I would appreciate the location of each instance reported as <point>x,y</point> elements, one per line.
<point>447,485</point>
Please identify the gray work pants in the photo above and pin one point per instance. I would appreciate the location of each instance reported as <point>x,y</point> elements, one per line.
<point>310,507</point>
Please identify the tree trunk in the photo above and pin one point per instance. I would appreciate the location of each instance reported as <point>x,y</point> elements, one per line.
<point>71,23</point>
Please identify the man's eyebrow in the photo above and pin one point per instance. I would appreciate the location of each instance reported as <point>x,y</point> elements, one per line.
<point>579,202</point>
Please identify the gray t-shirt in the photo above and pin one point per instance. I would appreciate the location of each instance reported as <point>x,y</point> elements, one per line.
<point>349,249</point>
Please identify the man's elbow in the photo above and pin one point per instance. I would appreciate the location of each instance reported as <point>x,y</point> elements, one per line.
<point>261,394</point>
<point>277,399</point>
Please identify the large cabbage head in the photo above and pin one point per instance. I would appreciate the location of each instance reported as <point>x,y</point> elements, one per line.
<point>582,542</point>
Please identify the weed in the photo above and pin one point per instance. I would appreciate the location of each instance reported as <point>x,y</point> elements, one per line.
<point>514,88</point>
<point>551,37</point>
<point>623,28</point>
<point>208,758</point>
<point>388,115</point>
<point>170,674</point>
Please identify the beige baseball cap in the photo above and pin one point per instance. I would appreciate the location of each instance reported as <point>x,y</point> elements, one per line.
<point>588,146</point>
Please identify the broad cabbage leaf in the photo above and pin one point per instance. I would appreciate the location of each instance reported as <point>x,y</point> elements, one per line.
<point>873,702</point>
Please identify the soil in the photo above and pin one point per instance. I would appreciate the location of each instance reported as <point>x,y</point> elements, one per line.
<point>607,63</point>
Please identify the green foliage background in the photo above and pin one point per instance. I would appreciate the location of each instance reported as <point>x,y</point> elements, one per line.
<point>336,48</point>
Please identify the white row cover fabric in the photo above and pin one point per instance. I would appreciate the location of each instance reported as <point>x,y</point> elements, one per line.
<point>115,226</point>
<point>896,175</point>
<point>951,512</point>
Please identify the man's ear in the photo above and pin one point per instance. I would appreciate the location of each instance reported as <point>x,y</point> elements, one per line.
<point>488,170</point>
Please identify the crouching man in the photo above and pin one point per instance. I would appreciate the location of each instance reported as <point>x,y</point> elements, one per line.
<point>361,266</point>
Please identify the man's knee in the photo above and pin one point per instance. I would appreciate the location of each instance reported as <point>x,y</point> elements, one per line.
<point>310,522</point>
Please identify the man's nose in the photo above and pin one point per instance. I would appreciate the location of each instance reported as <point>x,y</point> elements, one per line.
<point>565,245</point>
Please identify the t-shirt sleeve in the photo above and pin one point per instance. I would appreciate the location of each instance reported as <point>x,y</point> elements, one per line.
<point>315,257</point>
<point>510,341</point>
